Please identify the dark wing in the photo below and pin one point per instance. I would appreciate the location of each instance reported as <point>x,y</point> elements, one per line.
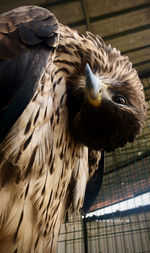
<point>28,37</point>
<point>94,185</point>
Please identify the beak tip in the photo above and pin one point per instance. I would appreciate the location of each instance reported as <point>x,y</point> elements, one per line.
<point>92,87</point>
<point>87,68</point>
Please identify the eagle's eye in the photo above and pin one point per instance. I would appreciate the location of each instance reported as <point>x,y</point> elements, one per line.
<point>119,100</point>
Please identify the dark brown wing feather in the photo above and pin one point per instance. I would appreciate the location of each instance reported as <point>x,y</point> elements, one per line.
<point>96,169</point>
<point>26,26</point>
<point>28,35</point>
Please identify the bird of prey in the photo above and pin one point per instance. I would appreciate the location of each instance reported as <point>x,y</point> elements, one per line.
<point>64,99</point>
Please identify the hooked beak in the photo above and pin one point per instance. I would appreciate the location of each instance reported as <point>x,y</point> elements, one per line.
<point>93,87</point>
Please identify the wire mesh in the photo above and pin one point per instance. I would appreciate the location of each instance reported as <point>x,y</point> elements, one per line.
<point>124,234</point>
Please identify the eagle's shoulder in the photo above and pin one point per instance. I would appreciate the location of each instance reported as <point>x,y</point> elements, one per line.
<point>28,38</point>
<point>26,26</point>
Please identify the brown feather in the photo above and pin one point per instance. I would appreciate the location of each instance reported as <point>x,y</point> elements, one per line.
<point>44,160</point>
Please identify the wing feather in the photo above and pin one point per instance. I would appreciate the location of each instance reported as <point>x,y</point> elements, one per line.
<point>95,181</point>
<point>28,37</point>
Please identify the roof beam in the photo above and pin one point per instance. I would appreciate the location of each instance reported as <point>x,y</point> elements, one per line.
<point>55,3</point>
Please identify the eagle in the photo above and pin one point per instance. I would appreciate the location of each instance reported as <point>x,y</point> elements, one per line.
<point>65,98</point>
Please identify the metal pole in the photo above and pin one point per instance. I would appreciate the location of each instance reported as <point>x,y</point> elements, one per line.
<point>86,15</point>
<point>85,235</point>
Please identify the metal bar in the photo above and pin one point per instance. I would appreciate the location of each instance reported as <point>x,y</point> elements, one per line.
<point>122,239</point>
<point>85,236</point>
<point>119,214</point>
<point>86,15</point>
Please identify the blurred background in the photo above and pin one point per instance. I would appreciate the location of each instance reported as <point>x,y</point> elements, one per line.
<point>119,220</point>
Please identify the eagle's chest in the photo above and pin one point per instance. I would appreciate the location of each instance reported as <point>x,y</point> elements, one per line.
<point>40,158</point>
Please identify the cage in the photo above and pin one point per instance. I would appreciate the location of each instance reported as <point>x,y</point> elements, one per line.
<point>119,219</point>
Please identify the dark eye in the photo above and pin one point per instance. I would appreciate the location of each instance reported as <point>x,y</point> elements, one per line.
<point>119,100</point>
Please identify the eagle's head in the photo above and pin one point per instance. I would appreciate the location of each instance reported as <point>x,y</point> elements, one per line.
<point>108,108</point>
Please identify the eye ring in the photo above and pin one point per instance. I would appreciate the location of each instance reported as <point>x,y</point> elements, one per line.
<point>119,100</point>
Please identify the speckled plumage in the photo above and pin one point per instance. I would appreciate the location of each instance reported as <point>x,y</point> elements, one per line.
<point>44,149</point>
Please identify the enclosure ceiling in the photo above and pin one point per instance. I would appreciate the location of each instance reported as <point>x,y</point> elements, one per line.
<point>125,25</point>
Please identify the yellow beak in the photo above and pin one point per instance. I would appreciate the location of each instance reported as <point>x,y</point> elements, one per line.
<point>93,87</point>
